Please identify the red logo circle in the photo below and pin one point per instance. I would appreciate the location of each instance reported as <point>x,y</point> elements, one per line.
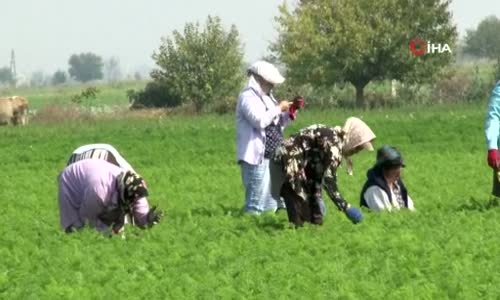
<point>422,47</point>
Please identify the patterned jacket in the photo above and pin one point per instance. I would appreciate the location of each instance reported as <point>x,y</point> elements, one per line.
<point>310,160</point>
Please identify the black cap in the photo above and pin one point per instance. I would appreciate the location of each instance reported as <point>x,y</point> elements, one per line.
<point>388,156</point>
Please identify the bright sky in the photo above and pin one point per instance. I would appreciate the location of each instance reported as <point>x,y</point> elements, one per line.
<point>45,33</point>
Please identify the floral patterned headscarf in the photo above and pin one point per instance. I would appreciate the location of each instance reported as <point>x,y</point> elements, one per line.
<point>131,187</point>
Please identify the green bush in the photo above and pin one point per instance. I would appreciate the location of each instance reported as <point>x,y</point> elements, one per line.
<point>416,94</point>
<point>478,89</point>
<point>453,89</point>
<point>496,72</point>
<point>155,94</point>
<point>200,66</point>
<point>457,87</point>
<point>225,105</point>
<point>86,98</point>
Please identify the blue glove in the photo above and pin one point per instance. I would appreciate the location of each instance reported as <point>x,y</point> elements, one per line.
<point>354,214</point>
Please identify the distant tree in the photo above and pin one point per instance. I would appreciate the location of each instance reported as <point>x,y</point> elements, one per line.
<point>85,67</point>
<point>200,66</point>
<point>322,42</point>
<point>38,79</point>
<point>59,77</point>
<point>485,40</point>
<point>6,75</point>
<point>137,76</point>
<point>112,69</point>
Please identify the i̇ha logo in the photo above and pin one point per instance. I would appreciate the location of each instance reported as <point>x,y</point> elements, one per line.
<point>418,47</point>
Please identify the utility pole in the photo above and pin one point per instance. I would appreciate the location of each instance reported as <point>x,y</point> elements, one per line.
<point>13,67</point>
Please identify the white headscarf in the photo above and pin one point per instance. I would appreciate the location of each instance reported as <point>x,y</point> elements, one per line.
<point>252,83</point>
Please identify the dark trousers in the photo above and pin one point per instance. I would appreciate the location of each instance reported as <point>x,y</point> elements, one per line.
<point>300,210</point>
<point>496,184</point>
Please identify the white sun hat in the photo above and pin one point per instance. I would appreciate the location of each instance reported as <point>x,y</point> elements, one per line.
<point>267,71</point>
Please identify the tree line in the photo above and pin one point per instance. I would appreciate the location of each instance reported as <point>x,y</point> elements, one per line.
<point>82,67</point>
<point>320,43</point>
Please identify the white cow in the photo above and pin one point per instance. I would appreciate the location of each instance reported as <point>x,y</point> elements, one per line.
<point>13,110</point>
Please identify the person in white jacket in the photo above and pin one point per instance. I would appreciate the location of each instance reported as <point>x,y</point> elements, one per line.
<point>384,190</point>
<point>260,121</point>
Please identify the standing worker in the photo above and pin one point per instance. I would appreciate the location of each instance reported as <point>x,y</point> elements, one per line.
<point>492,135</point>
<point>260,121</point>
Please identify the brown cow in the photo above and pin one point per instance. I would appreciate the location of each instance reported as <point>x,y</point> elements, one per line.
<point>13,110</point>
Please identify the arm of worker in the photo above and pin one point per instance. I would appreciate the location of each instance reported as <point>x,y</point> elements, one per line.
<point>254,111</point>
<point>144,215</point>
<point>331,187</point>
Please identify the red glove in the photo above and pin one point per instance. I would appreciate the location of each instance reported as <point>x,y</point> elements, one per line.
<point>493,158</point>
<point>298,103</point>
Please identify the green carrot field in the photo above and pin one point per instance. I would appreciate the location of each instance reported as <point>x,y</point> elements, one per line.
<point>205,248</point>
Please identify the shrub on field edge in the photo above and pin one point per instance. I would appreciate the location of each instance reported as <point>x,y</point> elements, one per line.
<point>86,95</point>
<point>225,105</point>
<point>478,90</point>
<point>461,87</point>
<point>376,99</point>
<point>415,94</point>
<point>155,94</point>
<point>453,88</point>
<point>496,71</point>
<point>55,113</point>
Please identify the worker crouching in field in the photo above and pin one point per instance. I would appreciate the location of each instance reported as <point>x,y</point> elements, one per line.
<point>100,194</point>
<point>492,135</point>
<point>384,189</point>
<point>305,162</point>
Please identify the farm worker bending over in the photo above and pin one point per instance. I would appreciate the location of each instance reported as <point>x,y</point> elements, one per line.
<point>96,192</point>
<point>100,151</point>
<point>492,136</point>
<point>384,189</point>
<point>105,152</point>
<point>260,121</point>
<point>305,162</point>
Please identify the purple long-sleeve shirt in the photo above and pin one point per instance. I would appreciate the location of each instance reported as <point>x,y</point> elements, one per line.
<point>88,188</point>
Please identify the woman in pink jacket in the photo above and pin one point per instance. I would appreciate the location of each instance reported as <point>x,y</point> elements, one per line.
<point>100,194</point>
